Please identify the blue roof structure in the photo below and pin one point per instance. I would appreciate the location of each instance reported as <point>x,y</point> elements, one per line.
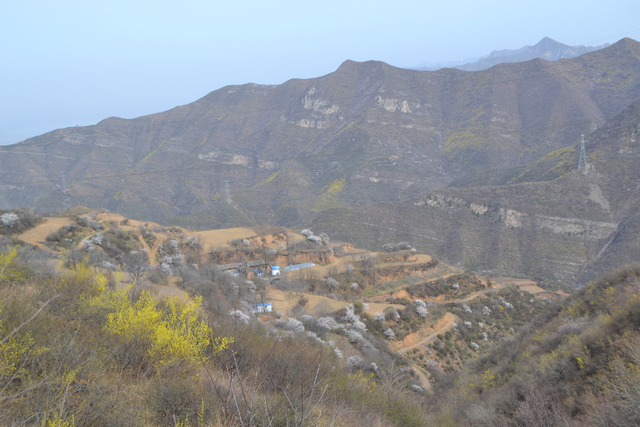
<point>262,308</point>
<point>298,266</point>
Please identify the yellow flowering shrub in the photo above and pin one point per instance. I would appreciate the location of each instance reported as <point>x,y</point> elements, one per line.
<point>58,421</point>
<point>13,351</point>
<point>172,331</point>
<point>9,272</point>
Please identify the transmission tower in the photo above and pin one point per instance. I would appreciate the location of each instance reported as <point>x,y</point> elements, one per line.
<point>582,161</point>
<point>226,184</point>
<point>64,183</point>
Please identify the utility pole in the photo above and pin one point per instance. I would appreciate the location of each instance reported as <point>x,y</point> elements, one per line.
<point>582,161</point>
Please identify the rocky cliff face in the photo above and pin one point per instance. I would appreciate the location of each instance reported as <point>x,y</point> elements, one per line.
<point>557,224</point>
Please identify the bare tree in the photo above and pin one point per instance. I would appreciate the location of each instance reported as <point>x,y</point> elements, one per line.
<point>136,264</point>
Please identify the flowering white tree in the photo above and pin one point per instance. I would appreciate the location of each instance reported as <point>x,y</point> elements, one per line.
<point>88,245</point>
<point>240,316</point>
<point>485,337</point>
<point>350,315</point>
<point>393,314</point>
<point>315,239</point>
<point>108,266</point>
<point>165,269</point>
<point>416,388</point>
<point>358,326</point>
<point>379,317</point>
<point>422,311</point>
<point>314,336</point>
<point>355,362</point>
<point>431,365</point>
<point>354,336</point>
<point>474,346</point>
<point>486,311</point>
<point>466,308</point>
<point>468,324</point>
<point>332,283</point>
<point>389,334</point>
<point>9,219</point>
<point>290,324</point>
<point>354,286</point>
<point>505,303</point>
<point>328,323</point>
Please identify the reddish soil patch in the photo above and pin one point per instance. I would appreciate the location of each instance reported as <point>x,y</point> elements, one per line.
<point>424,336</point>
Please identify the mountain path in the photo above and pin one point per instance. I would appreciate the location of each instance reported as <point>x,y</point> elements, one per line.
<point>449,319</point>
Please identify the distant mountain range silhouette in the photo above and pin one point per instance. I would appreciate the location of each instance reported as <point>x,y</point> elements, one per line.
<point>546,48</point>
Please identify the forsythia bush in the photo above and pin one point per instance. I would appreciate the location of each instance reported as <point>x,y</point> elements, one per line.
<point>13,352</point>
<point>8,270</point>
<point>172,330</point>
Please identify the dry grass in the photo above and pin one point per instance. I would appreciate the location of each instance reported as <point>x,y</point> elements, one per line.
<point>418,259</point>
<point>285,301</point>
<point>532,289</point>
<point>222,238</point>
<point>133,224</point>
<point>38,234</point>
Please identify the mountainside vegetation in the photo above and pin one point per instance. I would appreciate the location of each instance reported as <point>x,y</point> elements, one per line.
<point>575,364</point>
<point>78,347</point>
<point>545,219</point>
<point>138,324</point>
<point>366,136</point>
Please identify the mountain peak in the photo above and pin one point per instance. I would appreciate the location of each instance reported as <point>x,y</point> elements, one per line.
<point>546,48</point>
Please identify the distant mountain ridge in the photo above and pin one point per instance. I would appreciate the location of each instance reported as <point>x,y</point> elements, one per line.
<point>362,136</point>
<point>546,48</point>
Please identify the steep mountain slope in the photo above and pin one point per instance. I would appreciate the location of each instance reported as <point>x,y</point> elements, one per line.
<point>545,219</point>
<point>576,364</point>
<point>364,134</point>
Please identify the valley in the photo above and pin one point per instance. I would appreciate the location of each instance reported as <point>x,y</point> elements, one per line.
<point>376,246</point>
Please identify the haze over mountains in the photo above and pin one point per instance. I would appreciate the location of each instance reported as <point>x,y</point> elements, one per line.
<point>478,168</point>
<point>546,48</point>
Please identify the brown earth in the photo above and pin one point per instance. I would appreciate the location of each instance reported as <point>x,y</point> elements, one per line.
<point>424,336</point>
<point>38,234</point>
<point>283,300</point>
<point>222,238</point>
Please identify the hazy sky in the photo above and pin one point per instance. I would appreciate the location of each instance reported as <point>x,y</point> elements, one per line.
<point>67,63</point>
